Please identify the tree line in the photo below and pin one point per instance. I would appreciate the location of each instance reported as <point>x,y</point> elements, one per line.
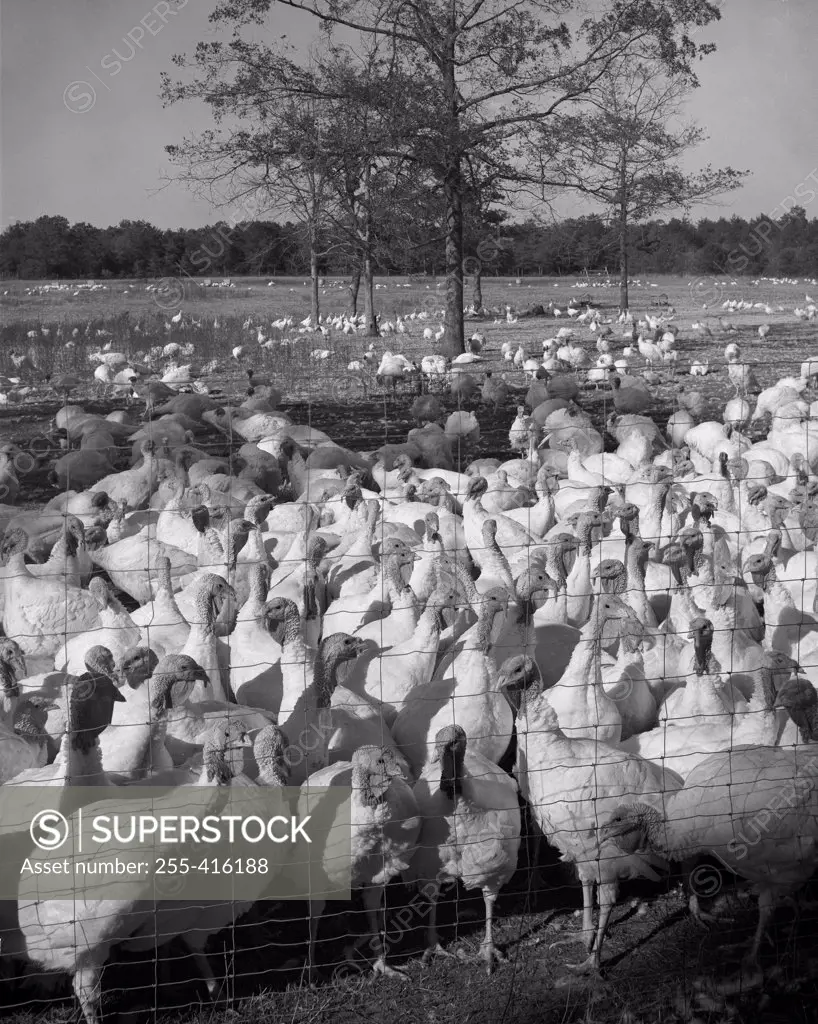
<point>51,248</point>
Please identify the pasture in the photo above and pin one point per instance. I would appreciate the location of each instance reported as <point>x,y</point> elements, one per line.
<point>61,327</point>
<point>659,965</point>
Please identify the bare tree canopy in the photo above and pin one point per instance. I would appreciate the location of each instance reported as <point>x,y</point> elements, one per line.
<point>457,80</point>
<point>623,150</point>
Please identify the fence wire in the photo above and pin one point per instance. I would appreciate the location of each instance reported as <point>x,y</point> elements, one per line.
<point>628,665</point>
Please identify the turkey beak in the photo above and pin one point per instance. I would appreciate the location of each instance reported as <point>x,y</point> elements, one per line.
<point>616,830</point>
<point>551,584</point>
<point>513,694</point>
<point>123,680</point>
<point>364,647</point>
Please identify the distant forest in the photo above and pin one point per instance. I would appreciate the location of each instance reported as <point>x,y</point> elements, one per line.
<point>50,247</point>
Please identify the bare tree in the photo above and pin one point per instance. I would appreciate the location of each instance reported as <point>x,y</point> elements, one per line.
<point>472,74</point>
<point>373,183</point>
<point>313,140</point>
<point>481,222</point>
<point>623,150</point>
<point>266,152</point>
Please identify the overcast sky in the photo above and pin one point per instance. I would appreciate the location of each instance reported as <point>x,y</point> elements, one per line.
<point>83,129</point>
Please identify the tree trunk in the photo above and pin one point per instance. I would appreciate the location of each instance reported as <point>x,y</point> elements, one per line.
<point>477,290</point>
<point>453,340</point>
<point>623,237</point>
<point>314,306</point>
<point>315,311</point>
<point>369,273</point>
<point>369,299</point>
<point>623,260</point>
<point>354,287</point>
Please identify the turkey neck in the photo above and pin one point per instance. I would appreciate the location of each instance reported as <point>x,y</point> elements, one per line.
<point>403,616</point>
<point>628,656</point>
<point>583,659</point>
<point>635,586</point>
<point>394,583</point>
<point>496,563</point>
<point>204,627</point>
<point>630,527</point>
<point>555,566</point>
<point>483,629</point>
<point>584,530</point>
<point>458,570</point>
<point>653,513</point>
<point>153,732</point>
<point>524,589</point>
<point>736,642</point>
<point>617,584</point>
<point>211,551</point>
<point>164,583</point>
<point>451,771</point>
<point>727,502</point>
<point>292,640</point>
<point>257,589</point>
<point>544,514</point>
<point>217,769</point>
<point>325,676</point>
<point>254,547</point>
<point>682,606</point>
<point>203,635</point>
<point>429,627</point>
<point>666,836</point>
<point>296,665</point>
<point>9,690</point>
<point>270,773</point>
<point>366,538</point>
<point>533,455</point>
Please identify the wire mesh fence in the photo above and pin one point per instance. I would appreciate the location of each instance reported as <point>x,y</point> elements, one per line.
<point>555,651</point>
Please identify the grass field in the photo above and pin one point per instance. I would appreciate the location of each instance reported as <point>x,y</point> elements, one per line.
<point>133,320</point>
<point>349,405</point>
<point>659,966</point>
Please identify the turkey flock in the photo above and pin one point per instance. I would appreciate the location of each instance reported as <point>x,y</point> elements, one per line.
<point>607,638</point>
